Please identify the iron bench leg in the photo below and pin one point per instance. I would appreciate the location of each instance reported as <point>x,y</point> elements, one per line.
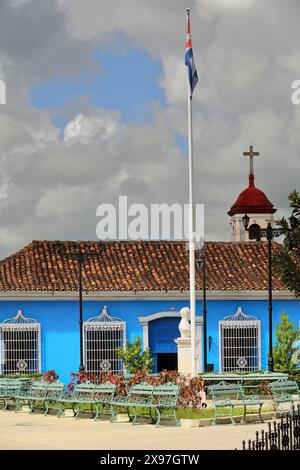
<point>157,424</point>
<point>135,416</point>
<point>46,407</point>
<point>231,412</point>
<point>61,409</point>
<point>96,413</point>
<point>243,420</point>
<point>6,404</point>
<point>259,413</point>
<point>18,406</point>
<point>31,406</point>
<point>177,421</point>
<point>113,414</point>
<point>215,416</point>
<point>151,415</point>
<point>76,410</point>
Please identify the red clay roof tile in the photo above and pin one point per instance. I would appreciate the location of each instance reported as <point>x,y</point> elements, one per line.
<point>135,266</point>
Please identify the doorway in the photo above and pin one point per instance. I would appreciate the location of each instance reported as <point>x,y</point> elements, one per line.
<point>162,333</point>
<point>166,361</point>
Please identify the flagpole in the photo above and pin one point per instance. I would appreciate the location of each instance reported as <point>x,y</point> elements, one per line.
<point>191,233</point>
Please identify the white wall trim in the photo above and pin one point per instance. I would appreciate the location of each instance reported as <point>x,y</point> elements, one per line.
<point>151,295</point>
<point>144,321</point>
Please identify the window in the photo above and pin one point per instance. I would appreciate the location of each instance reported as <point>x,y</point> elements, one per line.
<point>254,232</point>
<point>20,345</point>
<point>103,335</point>
<point>239,337</point>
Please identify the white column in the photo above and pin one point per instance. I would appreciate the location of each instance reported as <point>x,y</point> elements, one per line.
<point>145,336</point>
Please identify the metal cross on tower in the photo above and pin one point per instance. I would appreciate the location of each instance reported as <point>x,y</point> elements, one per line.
<point>251,154</point>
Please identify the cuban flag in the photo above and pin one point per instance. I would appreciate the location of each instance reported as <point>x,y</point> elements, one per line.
<point>189,59</point>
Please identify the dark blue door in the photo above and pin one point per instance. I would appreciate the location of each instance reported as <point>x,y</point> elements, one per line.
<point>162,333</point>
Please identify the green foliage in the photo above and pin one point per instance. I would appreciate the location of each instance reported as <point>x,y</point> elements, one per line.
<point>286,334</point>
<point>135,359</point>
<point>21,376</point>
<point>287,261</point>
<point>294,375</point>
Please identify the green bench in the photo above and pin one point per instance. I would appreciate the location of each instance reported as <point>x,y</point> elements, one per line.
<point>36,392</point>
<point>10,389</point>
<point>284,391</point>
<point>228,396</point>
<point>54,392</point>
<point>137,398</point>
<point>165,398</point>
<point>147,397</point>
<point>2,387</point>
<point>39,392</point>
<point>87,394</point>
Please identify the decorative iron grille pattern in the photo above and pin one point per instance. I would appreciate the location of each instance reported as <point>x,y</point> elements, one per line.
<point>20,345</point>
<point>284,435</point>
<point>239,338</point>
<point>103,335</point>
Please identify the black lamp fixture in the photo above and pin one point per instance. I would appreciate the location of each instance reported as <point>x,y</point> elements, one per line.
<point>246,220</point>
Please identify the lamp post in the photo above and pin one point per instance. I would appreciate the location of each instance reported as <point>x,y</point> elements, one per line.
<point>201,261</point>
<point>256,233</point>
<point>80,256</point>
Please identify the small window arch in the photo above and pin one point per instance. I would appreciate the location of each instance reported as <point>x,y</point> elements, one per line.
<point>240,343</point>
<point>20,345</point>
<point>254,232</point>
<point>103,335</point>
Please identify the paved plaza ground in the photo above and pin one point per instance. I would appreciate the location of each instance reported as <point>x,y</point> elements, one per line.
<point>26,431</point>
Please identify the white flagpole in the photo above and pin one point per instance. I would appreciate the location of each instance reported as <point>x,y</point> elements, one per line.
<point>191,233</point>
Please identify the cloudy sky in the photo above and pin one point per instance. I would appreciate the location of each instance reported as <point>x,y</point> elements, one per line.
<point>96,108</point>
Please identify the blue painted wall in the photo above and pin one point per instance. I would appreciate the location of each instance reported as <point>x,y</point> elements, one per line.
<point>60,328</point>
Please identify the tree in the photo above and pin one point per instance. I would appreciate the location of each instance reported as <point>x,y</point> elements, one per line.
<point>287,261</point>
<point>135,359</point>
<point>286,338</point>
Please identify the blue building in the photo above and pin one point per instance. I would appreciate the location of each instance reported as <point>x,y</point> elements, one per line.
<point>134,289</point>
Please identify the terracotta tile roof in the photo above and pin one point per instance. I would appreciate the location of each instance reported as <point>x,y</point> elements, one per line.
<point>135,266</point>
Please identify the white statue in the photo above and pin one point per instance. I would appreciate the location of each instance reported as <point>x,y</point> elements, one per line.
<point>184,325</point>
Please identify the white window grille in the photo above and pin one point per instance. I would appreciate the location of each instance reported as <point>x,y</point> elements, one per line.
<point>20,344</point>
<point>103,335</point>
<point>240,343</point>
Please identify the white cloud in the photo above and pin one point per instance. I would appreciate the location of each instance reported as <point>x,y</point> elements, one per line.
<point>227,4</point>
<point>247,54</point>
<point>2,92</point>
<point>103,124</point>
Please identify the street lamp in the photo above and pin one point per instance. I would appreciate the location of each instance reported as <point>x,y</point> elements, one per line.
<point>80,256</point>
<point>201,261</point>
<point>256,233</point>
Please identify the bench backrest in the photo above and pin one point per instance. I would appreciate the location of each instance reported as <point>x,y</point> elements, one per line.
<point>12,387</point>
<point>141,389</point>
<point>55,389</point>
<point>105,390</point>
<point>2,385</point>
<point>166,394</point>
<point>84,390</point>
<point>284,386</point>
<point>224,389</point>
<point>39,388</point>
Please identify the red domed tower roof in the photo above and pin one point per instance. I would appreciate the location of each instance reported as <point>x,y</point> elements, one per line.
<point>252,201</point>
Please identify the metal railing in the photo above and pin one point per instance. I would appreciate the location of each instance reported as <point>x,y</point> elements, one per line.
<point>282,435</point>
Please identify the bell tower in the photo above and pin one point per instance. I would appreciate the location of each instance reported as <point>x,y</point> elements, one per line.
<point>253,202</point>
